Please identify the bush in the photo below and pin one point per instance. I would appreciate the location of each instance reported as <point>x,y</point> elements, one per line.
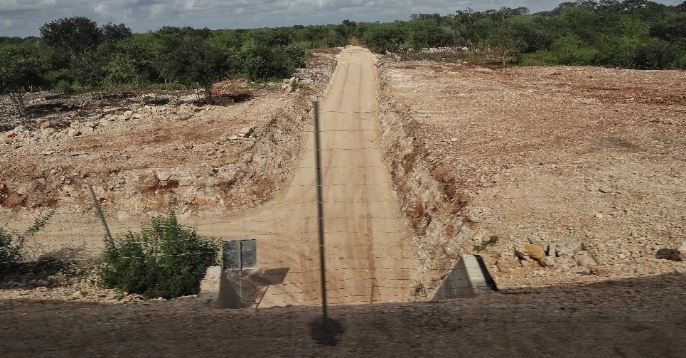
<point>10,251</point>
<point>486,243</point>
<point>11,243</point>
<point>63,87</point>
<point>681,62</point>
<point>655,54</point>
<point>164,260</point>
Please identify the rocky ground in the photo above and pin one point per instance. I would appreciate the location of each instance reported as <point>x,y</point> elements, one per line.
<point>147,153</point>
<point>578,171</point>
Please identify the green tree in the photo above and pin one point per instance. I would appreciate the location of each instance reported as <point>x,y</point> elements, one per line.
<point>428,31</point>
<point>131,63</point>
<point>23,68</point>
<point>72,36</point>
<point>384,37</point>
<point>187,57</point>
<point>114,33</point>
<point>262,62</point>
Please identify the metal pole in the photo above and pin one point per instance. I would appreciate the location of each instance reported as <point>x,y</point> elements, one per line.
<point>320,209</point>
<point>98,209</point>
<point>240,272</point>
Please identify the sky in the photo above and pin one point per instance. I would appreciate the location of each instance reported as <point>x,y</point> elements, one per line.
<point>24,17</point>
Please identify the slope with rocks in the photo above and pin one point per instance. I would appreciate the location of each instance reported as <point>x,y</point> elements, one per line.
<point>152,153</point>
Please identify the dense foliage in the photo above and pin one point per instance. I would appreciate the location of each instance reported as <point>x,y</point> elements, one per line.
<point>77,54</point>
<point>632,34</point>
<point>164,260</point>
<point>10,251</point>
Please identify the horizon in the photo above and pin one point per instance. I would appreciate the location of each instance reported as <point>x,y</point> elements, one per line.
<point>23,19</point>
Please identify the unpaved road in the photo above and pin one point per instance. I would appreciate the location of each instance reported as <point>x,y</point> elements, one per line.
<point>368,258</point>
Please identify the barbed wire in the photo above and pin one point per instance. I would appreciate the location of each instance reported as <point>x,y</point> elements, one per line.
<point>343,130</point>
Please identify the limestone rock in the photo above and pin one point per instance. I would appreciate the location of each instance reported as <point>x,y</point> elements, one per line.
<point>601,271</point>
<point>73,132</point>
<point>548,261</point>
<point>552,250</point>
<point>247,132</point>
<point>44,125</point>
<point>76,295</point>
<point>583,258</point>
<point>534,251</point>
<point>569,247</point>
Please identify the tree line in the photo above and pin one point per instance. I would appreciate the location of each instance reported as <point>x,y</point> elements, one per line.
<point>75,54</point>
<point>637,34</point>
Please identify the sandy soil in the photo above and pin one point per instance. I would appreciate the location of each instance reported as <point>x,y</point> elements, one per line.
<point>589,159</point>
<point>629,318</point>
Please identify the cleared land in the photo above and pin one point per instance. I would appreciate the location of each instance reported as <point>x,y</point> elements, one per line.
<point>147,158</point>
<point>590,159</point>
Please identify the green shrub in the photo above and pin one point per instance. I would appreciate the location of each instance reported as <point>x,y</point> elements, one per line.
<point>11,243</point>
<point>10,250</point>
<point>681,62</point>
<point>63,87</point>
<point>486,243</point>
<point>164,260</point>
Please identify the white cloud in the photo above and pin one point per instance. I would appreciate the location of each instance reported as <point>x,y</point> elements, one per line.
<point>142,15</point>
<point>25,5</point>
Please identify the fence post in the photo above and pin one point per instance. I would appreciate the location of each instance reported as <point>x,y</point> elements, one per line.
<point>98,210</point>
<point>320,210</point>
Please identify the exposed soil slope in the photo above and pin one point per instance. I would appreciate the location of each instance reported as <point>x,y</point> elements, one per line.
<point>145,157</point>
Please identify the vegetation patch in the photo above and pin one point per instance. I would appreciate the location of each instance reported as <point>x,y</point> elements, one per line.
<point>12,245</point>
<point>165,260</point>
<point>486,243</point>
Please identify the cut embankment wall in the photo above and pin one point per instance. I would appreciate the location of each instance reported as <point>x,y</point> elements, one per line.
<point>428,197</point>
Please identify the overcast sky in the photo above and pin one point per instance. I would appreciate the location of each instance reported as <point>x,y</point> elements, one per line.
<point>24,17</point>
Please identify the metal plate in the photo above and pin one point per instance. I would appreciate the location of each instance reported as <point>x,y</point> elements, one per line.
<point>239,254</point>
<point>231,254</point>
<point>249,253</point>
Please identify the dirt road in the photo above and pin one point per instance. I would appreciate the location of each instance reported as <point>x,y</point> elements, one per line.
<point>366,239</point>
